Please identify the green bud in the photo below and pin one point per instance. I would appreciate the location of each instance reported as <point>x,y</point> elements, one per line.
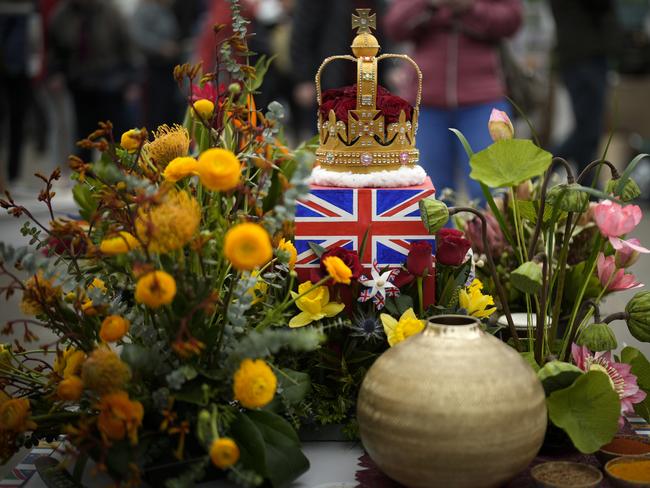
<point>434,214</point>
<point>527,278</point>
<point>638,320</point>
<point>234,88</point>
<point>630,189</point>
<point>568,198</point>
<point>597,337</point>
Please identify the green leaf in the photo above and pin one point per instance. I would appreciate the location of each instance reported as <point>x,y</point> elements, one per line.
<point>284,458</point>
<point>85,199</point>
<point>587,411</point>
<point>509,162</point>
<point>317,248</point>
<point>641,369</point>
<point>403,302</point>
<point>252,453</point>
<point>528,356</point>
<point>628,171</point>
<point>556,375</point>
<point>294,385</point>
<point>463,141</point>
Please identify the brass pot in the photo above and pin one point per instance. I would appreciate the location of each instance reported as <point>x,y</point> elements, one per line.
<point>451,407</point>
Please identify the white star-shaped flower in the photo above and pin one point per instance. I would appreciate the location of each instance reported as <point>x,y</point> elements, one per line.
<point>380,286</point>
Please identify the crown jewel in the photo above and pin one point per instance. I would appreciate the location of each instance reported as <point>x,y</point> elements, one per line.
<point>364,129</point>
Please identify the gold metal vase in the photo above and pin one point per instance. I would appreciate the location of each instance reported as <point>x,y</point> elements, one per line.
<point>451,407</point>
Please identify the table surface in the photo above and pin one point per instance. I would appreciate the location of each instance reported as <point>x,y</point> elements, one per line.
<point>333,465</point>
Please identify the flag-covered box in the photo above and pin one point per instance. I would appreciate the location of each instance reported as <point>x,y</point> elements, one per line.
<point>387,218</point>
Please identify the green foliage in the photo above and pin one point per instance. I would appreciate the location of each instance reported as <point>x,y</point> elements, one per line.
<point>587,411</point>
<point>509,162</point>
<point>557,375</point>
<point>270,341</point>
<point>641,369</point>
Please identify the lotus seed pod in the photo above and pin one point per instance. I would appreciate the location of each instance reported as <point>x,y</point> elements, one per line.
<point>527,278</point>
<point>630,189</point>
<point>638,320</point>
<point>597,337</point>
<point>434,213</point>
<point>568,198</point>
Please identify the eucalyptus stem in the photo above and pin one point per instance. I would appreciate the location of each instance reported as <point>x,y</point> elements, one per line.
<point>493,270</point>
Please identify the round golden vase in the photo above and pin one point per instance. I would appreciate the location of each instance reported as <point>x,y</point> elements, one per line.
<point>451,407</point>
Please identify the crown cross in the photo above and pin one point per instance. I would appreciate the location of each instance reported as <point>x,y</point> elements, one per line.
<point>364,21</point>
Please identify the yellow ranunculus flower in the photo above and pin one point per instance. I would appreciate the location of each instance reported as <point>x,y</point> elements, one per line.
<point>179,168</point>
<point>475,302</point>
<point>155,289</point>
<point>247,246</point>
<point>396,331</point>
<point>219,169</point>
<point>254,383</point>
<point>338,270</point>
<point>113,328</point>
<point>130,140</point>
<point>224,452</point>
<point>70,389</point>
<point>14,414</point>
<point>314,305</point>
<point>122,243</point>
<point>204,107</point>
<point>288,247</point>
<point>68,363</point>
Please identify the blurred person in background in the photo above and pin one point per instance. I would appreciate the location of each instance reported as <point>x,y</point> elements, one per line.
<point>17,68</point>
<point>587,33</point>
<point>456,45</point>
<point>321,29</point>
<point>155,31</point>
<point>90,51</point>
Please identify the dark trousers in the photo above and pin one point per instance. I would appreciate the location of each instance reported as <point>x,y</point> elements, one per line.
<point>93,106</point>
<point>14,103</point>
<point>586,83</point>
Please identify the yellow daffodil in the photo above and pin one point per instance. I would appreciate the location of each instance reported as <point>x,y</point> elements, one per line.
<point>314,305</point>
<point>398,330</point>
<point>475,302</point>
<point>219,169</point>
<point>337,270</point>
<point>204,108</point>
<point>122,243</point>
<point>247,246</point>
<point>254,383</point>
<point>224,452</point>
<point>179,168</point>
<point>287,246</point>
<point>155,289</point>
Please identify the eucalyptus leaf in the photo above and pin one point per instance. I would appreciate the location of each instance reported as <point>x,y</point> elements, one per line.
<point>587,411</point>
<point>509,162</point>
<point>294,385</point>
<point>556,375</point>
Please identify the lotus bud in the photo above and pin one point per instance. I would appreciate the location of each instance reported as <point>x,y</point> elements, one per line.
<point>500,126</point>
<point>638,320</point>
<point>568,197</point>
<point>597,337</point>
<point>630,190</point>
<point>527,278</point>
<point>434,214</point>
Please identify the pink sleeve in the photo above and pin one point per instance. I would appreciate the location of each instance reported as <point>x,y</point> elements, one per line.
<point>405,17</point>
<point>492,20</point>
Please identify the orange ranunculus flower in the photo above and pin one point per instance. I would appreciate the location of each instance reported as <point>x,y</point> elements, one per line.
<point>14,414</point>
<point>119,417</point>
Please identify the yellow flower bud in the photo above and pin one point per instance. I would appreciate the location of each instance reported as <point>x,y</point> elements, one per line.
<point>70,389</point>
<point>130,140</point>
<point>224,452</point>
<point>204,108</point>
<point>113,328</point>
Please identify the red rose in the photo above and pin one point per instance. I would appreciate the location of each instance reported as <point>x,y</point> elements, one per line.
<point>451,247</point>
<point>391,106</point>
<point>350,258</point>
<point>420,259</point>
<point>342,108</point>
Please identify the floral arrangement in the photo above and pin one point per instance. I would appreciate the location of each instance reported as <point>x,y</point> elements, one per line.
<point>551,253</point>
<point>170,295</point>
<point>342,100</point>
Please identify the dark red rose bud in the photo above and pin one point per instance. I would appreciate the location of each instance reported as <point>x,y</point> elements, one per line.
<point>420,259</point>
<point>391,106</point>
<point>350,258</point>
<point>342,108</point>
<point>451,247</point>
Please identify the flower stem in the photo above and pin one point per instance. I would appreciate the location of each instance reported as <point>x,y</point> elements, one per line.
<point>420,294</point>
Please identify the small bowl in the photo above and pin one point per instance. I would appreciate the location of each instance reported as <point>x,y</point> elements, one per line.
<point>605,455</point>
<point>623,483</point>
<point>538,472</point>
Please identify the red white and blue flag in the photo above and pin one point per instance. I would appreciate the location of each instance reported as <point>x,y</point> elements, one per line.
<point>332,217</point>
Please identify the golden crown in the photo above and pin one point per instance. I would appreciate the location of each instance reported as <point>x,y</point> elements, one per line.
<point>366,143</point>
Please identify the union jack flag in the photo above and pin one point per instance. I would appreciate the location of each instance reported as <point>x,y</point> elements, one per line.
<point>332,217</point>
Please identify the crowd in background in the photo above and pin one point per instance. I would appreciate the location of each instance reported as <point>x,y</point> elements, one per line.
<point>65,64</point>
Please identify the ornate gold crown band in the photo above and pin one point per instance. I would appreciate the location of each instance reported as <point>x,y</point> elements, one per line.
<point>366,144</point>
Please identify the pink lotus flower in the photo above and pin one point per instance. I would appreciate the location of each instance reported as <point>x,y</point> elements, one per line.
<point>623,381</point>
<point>614,220</point>
<point>496,240</point>
<point>627,256</point>
<point>500,126</point>
<point>612,278</point>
